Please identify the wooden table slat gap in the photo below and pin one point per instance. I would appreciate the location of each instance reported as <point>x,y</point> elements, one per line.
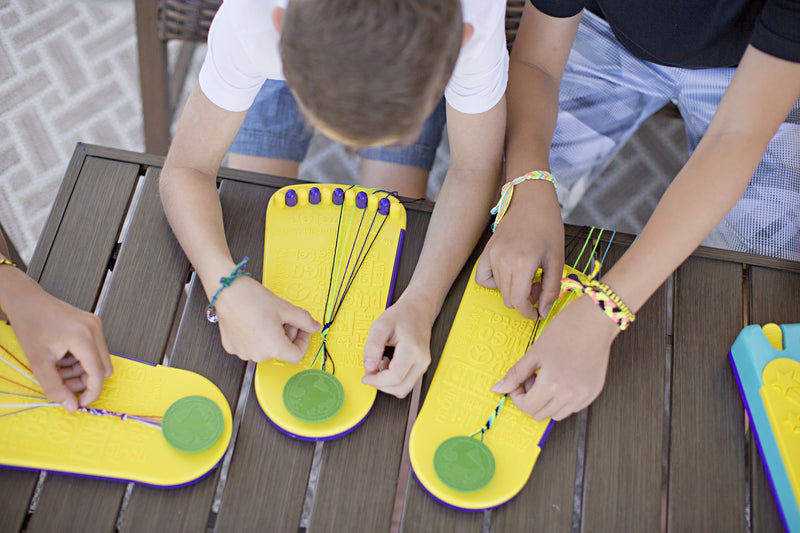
<point>124,227</point>
<point>667,412</point>
<point>748,437</point>
<point>487,521</point>
<point>580,472</point>
<point>405,462</point>
<point>241,405</point>
<point>748,294</point>
<point>312,483</point>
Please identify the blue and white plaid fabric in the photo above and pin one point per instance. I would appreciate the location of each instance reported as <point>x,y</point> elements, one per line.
<point>606,93</point>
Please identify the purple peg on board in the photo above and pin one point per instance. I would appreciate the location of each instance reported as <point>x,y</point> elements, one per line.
<point>314,196</point>
<point>291,198</point>
<point>361,200</point>
<point>338,196</point>
<point>383,206</point>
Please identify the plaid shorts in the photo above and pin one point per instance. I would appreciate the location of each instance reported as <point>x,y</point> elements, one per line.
<point>606,93</point>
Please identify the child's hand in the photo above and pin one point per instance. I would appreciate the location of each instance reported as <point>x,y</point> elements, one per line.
<point>404,325</point>
<point>571,356</point>
<point>255,325</point>
<point>531,235</point>
<point>64,345</point>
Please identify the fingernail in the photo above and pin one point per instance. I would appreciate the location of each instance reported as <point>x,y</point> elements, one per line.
<point>370,365</point>
<point>498,386</point>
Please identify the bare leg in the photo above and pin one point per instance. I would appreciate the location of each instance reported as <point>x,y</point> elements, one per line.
<point>411,182</point>
<point>265,165</point>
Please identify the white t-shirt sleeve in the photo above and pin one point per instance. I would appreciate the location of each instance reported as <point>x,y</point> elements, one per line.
<point>242,53</point>
<point>481,72</point>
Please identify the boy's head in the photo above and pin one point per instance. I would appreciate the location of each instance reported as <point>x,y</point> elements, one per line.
<point>369,72</point>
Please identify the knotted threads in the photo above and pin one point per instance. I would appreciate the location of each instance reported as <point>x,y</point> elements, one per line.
<point>237,273</point>
<point>602,295</point>
<point>508,191</point>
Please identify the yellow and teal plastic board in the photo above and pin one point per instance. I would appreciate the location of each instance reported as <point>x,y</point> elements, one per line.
<point>152,424</point>
<point>456,462</point>
<point>333,250</point>
<point>766,361</point>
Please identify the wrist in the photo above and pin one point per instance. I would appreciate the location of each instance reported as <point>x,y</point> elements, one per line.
<point>14,283</point>
<point>601,295</point>
<point>537,188</point>
<point>424,303</point>
<point>605,327</point>
<point>212,272</point>
<point>239,270</point>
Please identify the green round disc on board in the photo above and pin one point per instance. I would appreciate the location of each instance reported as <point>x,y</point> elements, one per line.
<point>464,464</point>
<point>313,395</point>
<point>193,424</point>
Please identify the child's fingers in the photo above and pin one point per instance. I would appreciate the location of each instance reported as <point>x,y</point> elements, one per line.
<point>284,349</point>
<point>75,384</point>
<point>519,296</point>
<point>551,285</point>
<point>483,273</point>
<point>102,349</point>
<point>378,338</point>
<point>393,376</point>
<point>517,374</point>
<point>302,339</point>
<point>85,351</point>
<point>538,411</point>
<point>560,413</point>
<point>539,402</point>
<point>407,365</point>
<point>67,372</point>
<point>291,332</point>
<point>301,319</point>
<point>397,381</point>
<point>66,361</point>
<point>52,385</point>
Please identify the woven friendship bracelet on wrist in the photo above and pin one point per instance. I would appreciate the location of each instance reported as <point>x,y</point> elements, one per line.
<point>603,296</point>
<point>237,273</point>
<point>508,190</point>
<point>7,262</point>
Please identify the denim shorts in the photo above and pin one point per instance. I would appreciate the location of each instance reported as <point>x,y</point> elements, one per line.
<point>275,128</point>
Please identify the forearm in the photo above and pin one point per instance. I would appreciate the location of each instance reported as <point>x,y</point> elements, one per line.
<point>15,287</point>
<point>532,112</point>
<point>462,207</point>
<point>188,186</point>
<point>759,97</point>
<point>193,210</point>
<point>458,220</point>
<point>700,196</point>
<point>535,68</point>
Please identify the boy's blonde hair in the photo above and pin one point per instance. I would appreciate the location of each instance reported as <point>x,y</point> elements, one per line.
<point>370,70</point>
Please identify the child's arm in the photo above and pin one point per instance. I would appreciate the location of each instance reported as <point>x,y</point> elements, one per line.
<point>64,345</point>
<point>459,218</point>
<point>572,353</point>
<point>531,234</point>
<point>254,323</point>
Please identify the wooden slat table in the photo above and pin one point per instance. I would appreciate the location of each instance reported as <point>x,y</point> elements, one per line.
<point>666,446</point>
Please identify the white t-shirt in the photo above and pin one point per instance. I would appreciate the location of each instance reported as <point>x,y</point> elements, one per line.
<point>243,52</point>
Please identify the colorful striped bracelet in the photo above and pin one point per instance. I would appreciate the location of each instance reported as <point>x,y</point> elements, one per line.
<point>603,296</point>
<point>7,262</point>
<point>238,272</point>
<point>508,190</point>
